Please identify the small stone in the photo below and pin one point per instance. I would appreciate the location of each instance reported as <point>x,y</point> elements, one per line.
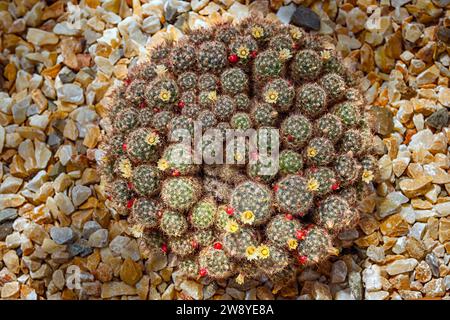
<point>58,279</point>
<point>423,272</point>
<point>264,293</point>
<point>285,13</point>
<point>306,18</point>
<point>64,203</point>
<point>6,229</point>
<point>89,228</point>
<point>438,119</point>
<point>443,34</point>
<point>394,226</point>
<point>416,187</point>
<point>104,272</point>
<point>43,272</point>
<point>376,254</point>
<point>321,291</point>
<point>7,214</point>
<point>11,261</point>
<point>338,272</point>
<point>11,201</point>
<point>192,289</point>
<point>130,272</point>
<point>117,244</point>
<point>157,261</point>
<point>235,293</point>
<point>98,239</point>
<point>355,284</point>
<point>61,235</point>
<point>401,266</point>
<point>10,290</point>
<point>40,37</point>
<point>434,288</point>
<point>116,288</point>
<point>415,248</point>
<point>428,76</point>
<point>444,230</point>
<point>71,93</point>
<point>377,295</point>
<point>391,203</point>
<point>80,194</point>
<point>372,278</point>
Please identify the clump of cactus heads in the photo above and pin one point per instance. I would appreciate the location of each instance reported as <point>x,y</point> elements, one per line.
<point>238,219</point>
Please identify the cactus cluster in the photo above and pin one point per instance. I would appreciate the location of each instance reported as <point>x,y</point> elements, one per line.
<point>230,220</point>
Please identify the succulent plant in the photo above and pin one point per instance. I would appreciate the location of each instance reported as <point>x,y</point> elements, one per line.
<point>236,219</point>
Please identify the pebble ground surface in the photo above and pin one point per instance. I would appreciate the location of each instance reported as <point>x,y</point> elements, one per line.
<point>58,62</point>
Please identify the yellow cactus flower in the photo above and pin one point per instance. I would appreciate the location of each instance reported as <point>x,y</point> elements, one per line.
<point>247,217</point>
<point>163,164</point>
<point>137,230</point>
<point>152,139</point>
<point>257,32</point>
<point>367,176</point>
<point>212,95</point>
<point>240,279</point>
<point>263,252</point>
<point>285,54</point>
<point>164,95</point>
<point>160,70</point>
<point>325,54</point>
<point>271,96</point>
<point>296,34</point>
<point>251,253</point>
<point>238,156</point>
<point>311,152</point>
<point>292,244</point>
<point>125,168</point>
<point>313,184</point>
<point>243,52</point>
<point>231,226</point>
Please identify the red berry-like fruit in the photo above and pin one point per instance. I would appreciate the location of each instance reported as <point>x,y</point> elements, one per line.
<point>181,104</point>
<point>124,147</point>
<point>300,234</point>
<point>230,211</point>
<point>289,216</point>
<point>130,185</point>
<point>295,46</point>
<point>127,81</point>
<point>253,54</point>
<point>130,203</point>
<point>302,260</point>
<point>156,110</point>
<point>275,188</point>
<point>218,246</point>
<point>176,173</point>
<point>233,58</point>
<point>164,248</point>
<point>142,105</point>
<point>290,138</point>
<point>203,272</point>
<point>335,186</point>
<point>194,244</point>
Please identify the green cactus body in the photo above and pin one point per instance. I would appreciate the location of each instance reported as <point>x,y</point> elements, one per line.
<point>174,224</point>
<point>162,93</point>
<point>315,246</point>
<point>183,58</point>
<point>135,92</point>
<point>279,93</point>
<point>352,140</point>
<point>290,162</point>
<point>347,168</point>
<point>180,193</point>
<point>179,159</point>
<point>215,263</point>
<point>207,82</point>
<point>333,214</point>
<point>268,65</point>
<point>264,114</point>
<point>235,244</point>
<point>242,102</point>
<point>277,260</point>
<point>307,64</point>
<point>203,214</point>
<point>311,100</point>
<point>348,113</point>
<point>146,212</point>
<point>189,267</point>
<point>146,180</point>
<point>334,86</point>
<point>182,246</point>
<point>212,56</point>
<point>281,229</point>
<point>139,148</point>
<point>329,126</point>
<point>325,178</point>
<point>224,108</point>
<point>241,120</point>
<point>187,81</point>
<point>120,192</point>
<point>126,120</point>
<point>234,81</point>
<point>205,237</point>
<point>293,196</point>
<point>161,121</point>
<point>253,197</point>
<point>320,152</point>
<point>295,131</point>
